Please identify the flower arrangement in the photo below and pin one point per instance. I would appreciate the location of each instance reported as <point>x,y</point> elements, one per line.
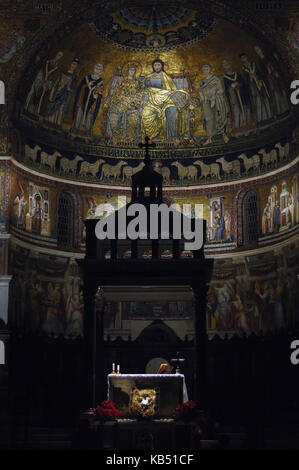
<point>107,411</point>
<point>185,411</point>
<point>204,425</point>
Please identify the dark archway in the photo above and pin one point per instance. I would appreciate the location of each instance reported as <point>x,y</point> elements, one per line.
<point>251,221</point>
<point>65,221</point>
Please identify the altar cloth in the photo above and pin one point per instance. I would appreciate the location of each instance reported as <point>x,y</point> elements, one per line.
<point>172,390</point>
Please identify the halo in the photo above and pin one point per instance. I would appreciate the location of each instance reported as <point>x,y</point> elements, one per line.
<point>135,64</point>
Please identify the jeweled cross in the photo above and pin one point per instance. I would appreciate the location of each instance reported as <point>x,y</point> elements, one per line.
<point>147,145</point>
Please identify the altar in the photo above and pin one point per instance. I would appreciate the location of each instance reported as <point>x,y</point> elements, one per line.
<point>117,270</point>
<point>170,391</point>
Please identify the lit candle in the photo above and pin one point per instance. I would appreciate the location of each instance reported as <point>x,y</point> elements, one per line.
<point>118,369</point>
<point>113,368</point>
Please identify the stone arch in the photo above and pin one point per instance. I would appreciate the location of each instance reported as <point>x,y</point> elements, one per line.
<point>76,215</point>
<point>158,332</point>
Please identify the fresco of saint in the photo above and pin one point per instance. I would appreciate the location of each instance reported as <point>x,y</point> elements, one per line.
<point>74,316</point>
<point>125,103</point>
<point>165,116</point>
<point>54,323</point>
<point>222,311</point>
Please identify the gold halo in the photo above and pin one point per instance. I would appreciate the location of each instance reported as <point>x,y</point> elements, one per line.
<point>136,64</point>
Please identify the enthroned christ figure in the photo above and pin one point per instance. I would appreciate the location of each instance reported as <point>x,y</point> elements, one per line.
<point>165,116</point>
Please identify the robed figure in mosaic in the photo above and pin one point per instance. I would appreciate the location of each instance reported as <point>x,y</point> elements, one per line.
<point>259,93</point>
<point>61,94</point>
<point>215,111</point>
<point>238,96</point>
<point>42,85</point>
<point>166,114</point>
<point>88,100</point>
<point>125,102</point>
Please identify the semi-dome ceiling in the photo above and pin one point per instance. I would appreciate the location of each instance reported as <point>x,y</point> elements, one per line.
<point>151,26</point>
<point>210,93</point>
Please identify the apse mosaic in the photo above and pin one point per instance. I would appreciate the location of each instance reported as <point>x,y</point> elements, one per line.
<point>190,97</point>
<point>216,108</point>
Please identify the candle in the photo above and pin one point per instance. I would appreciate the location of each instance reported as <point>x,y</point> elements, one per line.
<point>118,369</point>
<point>113,368</point>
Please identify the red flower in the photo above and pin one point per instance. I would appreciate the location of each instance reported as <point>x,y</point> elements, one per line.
<point>108,404</point>
<point>185,411</point>
<point>107,410</point>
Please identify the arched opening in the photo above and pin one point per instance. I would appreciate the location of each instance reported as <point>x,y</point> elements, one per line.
<point>251,225</point>
<point>65,221</point>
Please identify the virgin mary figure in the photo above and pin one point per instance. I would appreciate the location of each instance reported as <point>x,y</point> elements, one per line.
<point>125,103</point>
<point>165,115</point>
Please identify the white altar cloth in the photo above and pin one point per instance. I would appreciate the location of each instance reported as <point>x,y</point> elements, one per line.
<point>185,392</point>
<point>120,386</point>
